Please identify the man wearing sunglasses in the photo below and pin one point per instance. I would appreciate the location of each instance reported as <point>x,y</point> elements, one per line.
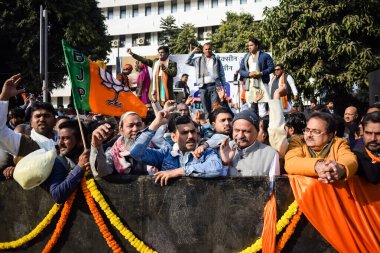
<point>319,153</point>
<point>282,79</point>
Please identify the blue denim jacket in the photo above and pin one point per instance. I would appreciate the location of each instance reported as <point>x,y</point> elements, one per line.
<point>208,165</point>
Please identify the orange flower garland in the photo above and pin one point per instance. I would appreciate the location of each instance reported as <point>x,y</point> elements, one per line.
<point>288,232</point>
<point>60,224</point>
<point>98,219</point>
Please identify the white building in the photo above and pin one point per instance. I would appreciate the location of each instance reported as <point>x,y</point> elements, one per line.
<point>136,23</point>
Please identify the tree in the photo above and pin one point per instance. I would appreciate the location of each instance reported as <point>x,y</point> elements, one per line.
<point>169,31</point>
<point>334,42</point>
<point>80,23</point>
<point>186,39</point>
<point>234,32</point>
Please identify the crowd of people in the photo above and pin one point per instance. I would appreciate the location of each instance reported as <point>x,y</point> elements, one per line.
<point>264,139</point>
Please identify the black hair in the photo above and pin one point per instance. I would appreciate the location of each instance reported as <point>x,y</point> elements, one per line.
<point>374,105</point>
<point>297,121</point>
<point>255,41</point>
<point>313,100</point>
<point>165,48</point>
<point>62,117</point>
<point>17,112</point>
<point>185,75</point>
<point>371,117</point>
<point>214,114</point>
<point>265,121</point>
<point>328,118</point>
<point>42,105</point>
<point>176,119</point>
<point>73,125</point>
<point>340,127</point>
<point>280,65</point>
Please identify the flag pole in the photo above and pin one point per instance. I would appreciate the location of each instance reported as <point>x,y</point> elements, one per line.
<point>81,130</point>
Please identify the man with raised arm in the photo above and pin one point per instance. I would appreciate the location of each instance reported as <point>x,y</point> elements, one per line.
<point>179,160</point>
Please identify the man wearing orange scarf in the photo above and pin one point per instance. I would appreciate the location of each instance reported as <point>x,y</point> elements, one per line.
<point>280,78</point>
<point>164,70</point>
<point>319,153</point>
<point>369,156</point>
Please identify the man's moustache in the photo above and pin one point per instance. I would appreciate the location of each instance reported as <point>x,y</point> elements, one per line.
<point>190,141</point>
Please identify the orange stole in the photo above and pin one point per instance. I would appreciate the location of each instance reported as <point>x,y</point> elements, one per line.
<point>346,213</point>
<point>164,78</point>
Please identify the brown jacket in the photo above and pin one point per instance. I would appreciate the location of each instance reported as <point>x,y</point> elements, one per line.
<point>298,160</point>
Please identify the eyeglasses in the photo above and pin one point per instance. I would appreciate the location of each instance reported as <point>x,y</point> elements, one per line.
<point>277,69</point>
<point>313,132</point>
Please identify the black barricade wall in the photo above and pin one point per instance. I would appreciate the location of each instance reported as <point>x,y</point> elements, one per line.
<point>189,215</point>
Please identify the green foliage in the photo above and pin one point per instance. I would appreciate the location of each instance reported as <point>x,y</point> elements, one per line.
<point>169,31</point>
<point>335,42</point>
<point>234,32</point>
<point>186,40</point>
<point>80,23</point>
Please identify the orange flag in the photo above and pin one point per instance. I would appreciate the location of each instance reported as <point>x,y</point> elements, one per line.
<point>96,90</point>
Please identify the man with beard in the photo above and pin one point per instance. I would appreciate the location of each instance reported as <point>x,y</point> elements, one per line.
<point>369,156</point>
<point>179,160</point>
<point>117,158</point>
<point>245,155</point>
<point>319,153</point>
<point>42,122</point>
<point>70,165</point>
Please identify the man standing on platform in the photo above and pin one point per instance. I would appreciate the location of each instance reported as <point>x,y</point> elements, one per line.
<point>209,74</point>
<point>255,69</point>
<point>164,70</point>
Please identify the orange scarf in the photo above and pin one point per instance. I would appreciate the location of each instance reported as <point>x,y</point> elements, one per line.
<point>374,158</point>
<point>283,99</point>
<point>164,78</point>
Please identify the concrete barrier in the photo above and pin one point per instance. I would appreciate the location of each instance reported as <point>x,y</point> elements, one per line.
<point>189,215</point>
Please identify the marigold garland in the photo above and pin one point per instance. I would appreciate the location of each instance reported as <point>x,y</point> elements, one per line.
<point>115,220</point>
<point>61,223</point>
<point>36,231</point>
<point>99,219</point>
<point>280,225</point>
<point>288,232</point>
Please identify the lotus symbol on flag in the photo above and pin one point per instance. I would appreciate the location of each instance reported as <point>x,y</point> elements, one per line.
<point>113,84</point>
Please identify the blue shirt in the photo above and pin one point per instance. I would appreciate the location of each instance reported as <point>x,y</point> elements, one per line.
<point>208,165</point>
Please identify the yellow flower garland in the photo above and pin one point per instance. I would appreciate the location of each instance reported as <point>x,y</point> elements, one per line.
<point>280,225</point>
<point>115,220</point>
<point>36,231</point>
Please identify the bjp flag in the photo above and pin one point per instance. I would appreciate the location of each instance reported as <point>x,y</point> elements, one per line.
<point>96,90</point>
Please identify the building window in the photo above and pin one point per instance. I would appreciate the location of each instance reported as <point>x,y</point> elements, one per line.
<point>201,31</point>
<point>187,5</point>
<point>228,2</point>
<point>135,10</point>
<point>243,1</point>
<point>161,8</point>
<point>174,6</point>
<point>59,101</point>
<point>123,12</point>
<point>134,40</point>
<point>121,40</point>
<point>148,40</point>
<point>214,3</point>
<point>160,37</point>
<point>110,13</point>
<point>214,28</point>
<point>201,4</point>
<point>148,9</point>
